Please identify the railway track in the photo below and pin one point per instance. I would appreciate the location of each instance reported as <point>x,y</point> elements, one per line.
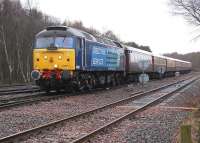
<point>152,95</point>
<point>12,85</point>
<point>17,101</point>
<point>42,96</point>
<point>24,89</point>
<point>151,100</point>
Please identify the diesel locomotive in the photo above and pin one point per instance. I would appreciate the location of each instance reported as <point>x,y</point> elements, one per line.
<point>71,59</point>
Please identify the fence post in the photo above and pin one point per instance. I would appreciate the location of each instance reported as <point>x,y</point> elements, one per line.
<point>186,134</point>
<point>198,131</point>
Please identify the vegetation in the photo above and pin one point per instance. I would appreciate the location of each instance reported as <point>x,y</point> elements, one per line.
<point>133,44</point>
<point>189,9</point>
<point>17,29</point>
<point>18,26</point>
<point>190,128</point>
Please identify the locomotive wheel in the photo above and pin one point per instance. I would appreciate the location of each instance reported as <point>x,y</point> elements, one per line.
<point>114,82</point>
<point>88,85</point>
<point>57,90</point>
<point>47,91</point>
<point>117,79</point>
<point>82,86</point>
<point>91,84</point>
<point>70,87</point>
<point>94,83</point>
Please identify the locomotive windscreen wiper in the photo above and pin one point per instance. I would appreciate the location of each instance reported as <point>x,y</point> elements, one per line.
<point>53,46</point>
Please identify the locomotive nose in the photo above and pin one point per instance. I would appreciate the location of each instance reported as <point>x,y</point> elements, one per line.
<point>51,60</point>
<point>35,74</point>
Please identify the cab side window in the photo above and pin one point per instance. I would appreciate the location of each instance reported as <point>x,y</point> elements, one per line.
<point>78,43</point>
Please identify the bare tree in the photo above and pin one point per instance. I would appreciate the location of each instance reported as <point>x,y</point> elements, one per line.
<point>111,35</point>
<point>18,26</point>
<point>190,9</point>
<point>5,48</point>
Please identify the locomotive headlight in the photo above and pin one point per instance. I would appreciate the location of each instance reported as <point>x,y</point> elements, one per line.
<point>45,57</point>
<point>59,57</point>
<point>55,66</point>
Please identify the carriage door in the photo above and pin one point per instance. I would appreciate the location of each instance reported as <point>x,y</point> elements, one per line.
<point>80,54</point>
<point>84,54</point>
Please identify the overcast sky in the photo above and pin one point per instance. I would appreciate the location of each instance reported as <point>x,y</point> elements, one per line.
<point>146,22</point>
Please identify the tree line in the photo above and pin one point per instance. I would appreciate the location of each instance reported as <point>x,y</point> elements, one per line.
<point>190,11</point>
<point>18,26</point>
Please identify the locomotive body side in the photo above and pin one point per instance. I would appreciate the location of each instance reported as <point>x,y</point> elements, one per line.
<point>100,57</point>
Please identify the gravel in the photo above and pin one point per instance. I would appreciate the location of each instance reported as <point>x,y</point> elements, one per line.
<point>156,124</point>
<point>25,117</point>
<point>81,126</point>
<point>74,129</point>
<point>188,97</point>
<point>153,125</point>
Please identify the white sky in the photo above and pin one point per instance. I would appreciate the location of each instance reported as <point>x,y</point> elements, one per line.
<point>146,22</point>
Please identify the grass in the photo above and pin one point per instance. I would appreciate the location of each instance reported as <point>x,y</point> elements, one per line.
<point>194,121</point>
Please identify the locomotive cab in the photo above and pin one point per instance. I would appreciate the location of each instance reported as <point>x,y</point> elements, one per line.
<point>53,57</point>
<point>54,53</point>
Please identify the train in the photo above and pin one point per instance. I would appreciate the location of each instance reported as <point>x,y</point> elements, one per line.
<point>66,58</point>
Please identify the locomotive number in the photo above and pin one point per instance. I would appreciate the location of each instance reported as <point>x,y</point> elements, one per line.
<point>96,61</point>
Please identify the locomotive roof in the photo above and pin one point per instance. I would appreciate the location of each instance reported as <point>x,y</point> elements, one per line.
<point>169,58</point>
<point>149,53</point>
<point>159,56</point>
<point>63,30</point>
<point>69,31</point>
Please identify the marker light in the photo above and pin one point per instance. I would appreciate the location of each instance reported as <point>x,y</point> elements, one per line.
<point>55,66</point>
<point>60,57</point>
<point>45,57</point>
